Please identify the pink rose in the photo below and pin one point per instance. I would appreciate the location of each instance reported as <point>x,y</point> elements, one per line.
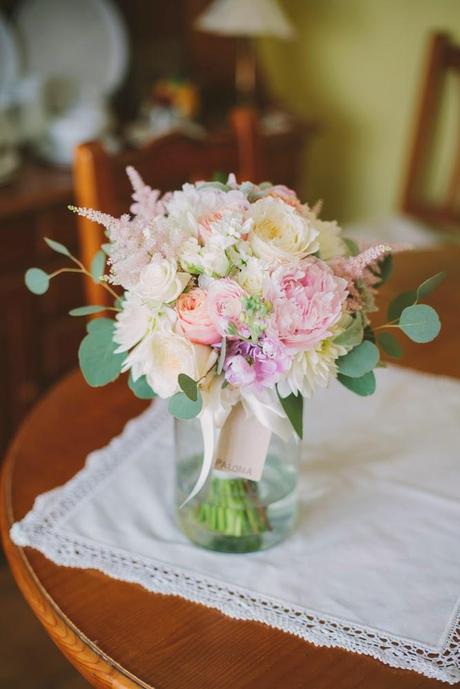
<point>307,299</point>
<point>194,318</point>
<point>225,307</point>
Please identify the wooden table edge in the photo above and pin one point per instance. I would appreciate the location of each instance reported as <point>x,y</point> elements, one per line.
<point>90,661</point>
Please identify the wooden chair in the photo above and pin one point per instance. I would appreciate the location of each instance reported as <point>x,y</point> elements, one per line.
<point>100,179</point>
<point>444,212</point>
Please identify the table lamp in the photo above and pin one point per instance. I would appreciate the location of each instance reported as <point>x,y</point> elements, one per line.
<point>245,20</point>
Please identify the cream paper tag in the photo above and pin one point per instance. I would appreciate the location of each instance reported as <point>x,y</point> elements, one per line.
<point>243,445</point>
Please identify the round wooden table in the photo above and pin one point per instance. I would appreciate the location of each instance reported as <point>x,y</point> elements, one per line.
<point>119,635</point>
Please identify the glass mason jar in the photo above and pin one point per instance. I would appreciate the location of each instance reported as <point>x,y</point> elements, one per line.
<point>233,514</point>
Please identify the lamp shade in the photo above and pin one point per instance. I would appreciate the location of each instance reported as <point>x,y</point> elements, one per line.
<point>245,18</point>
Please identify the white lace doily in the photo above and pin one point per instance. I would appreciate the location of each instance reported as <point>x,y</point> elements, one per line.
<point>374,566</point>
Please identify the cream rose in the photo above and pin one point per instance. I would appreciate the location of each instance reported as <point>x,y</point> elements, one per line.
<point>279,232</point>
<point>160,281</point>
<point>162,356</point>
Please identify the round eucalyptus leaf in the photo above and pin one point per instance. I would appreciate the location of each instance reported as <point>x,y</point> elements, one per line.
<point>401,302</point>
<point>420,323</point>
<point>182,407</point>
<point>99,324</point>
<point>363,386</point>
<point>353,335</point>
<point>188,386</point>
<point>390,345</point>
<point>37,281</point>
<point>141,388</point>
<point>98,265</point>
<point>98,361</point>
<point>359,360</point>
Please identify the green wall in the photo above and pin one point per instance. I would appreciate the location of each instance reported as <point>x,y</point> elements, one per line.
<point>355,67</point>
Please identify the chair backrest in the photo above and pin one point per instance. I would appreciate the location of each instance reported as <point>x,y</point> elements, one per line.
<point>100,180</point>
<point>441,210</point>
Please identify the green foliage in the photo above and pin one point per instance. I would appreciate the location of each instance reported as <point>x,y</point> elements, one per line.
<point>359,361</point>
<point>220,176</point>
<point>182,407</point>
<point>188,386</point>
<point>37,281</point>
<point>353,335</point>
<point>353,248</point>
<point>430,284</point>
<point>58,247</point>
<point>98,265</point>
<point>385,268</point>
<point>98,324</point>
<point>87,310</point>
<point>98,361</point>
<point>293,407</point>
<point>420,323</point>
<point>390,345</point>
<point>401,302</point>
<point>140,388</point>
<point>363,386</point>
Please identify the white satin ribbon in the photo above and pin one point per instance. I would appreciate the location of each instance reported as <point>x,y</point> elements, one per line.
<point>217,404</point>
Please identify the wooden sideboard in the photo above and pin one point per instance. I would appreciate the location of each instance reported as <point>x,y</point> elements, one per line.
<point>38,340</point>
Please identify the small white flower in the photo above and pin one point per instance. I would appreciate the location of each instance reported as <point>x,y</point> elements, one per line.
<point>311,370</point>
<point>160,281</point>
<point>210,259</point>
<point>280,232</point>
<point>251,277</point>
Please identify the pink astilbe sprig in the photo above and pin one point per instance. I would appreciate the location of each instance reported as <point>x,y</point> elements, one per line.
<point>362,273</point>
<point>135,239</point>
<point>147,203</point>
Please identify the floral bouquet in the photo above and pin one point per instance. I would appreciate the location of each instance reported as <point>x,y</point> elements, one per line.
<point>236,296</point>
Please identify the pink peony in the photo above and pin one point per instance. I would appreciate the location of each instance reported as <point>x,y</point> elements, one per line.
<point>307,299</point>
<point>225,306</point>
<point>194,319</point>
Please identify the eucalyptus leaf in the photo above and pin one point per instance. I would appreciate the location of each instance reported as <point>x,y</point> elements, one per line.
<point>188,386</point>
<point>430,284</point>
<point>98,265</point>
<point>293,407</point>
<point>58,247</point>
<point>390,345</point>
<point>37,281</point>
<point>87,310</point>
<point>359,361</point>
<point>420,323</point>
<point>182,407</point>
<point>401,302</point>
<point>98,361</point>
<point>222,355</point>
<point>353,335</point>
<point>363,386</point>
<point>353,248</point>
<point>99,324</point>
<point>140,388</point>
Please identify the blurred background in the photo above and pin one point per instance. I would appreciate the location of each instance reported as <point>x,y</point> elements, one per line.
<point>355,102</point>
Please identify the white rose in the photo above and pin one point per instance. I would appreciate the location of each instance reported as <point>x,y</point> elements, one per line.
<point>160,281</point>
<point>331,244</point>
<point>280,232</point>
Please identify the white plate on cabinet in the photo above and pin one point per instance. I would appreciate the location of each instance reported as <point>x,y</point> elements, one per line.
<point>81,44</point>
